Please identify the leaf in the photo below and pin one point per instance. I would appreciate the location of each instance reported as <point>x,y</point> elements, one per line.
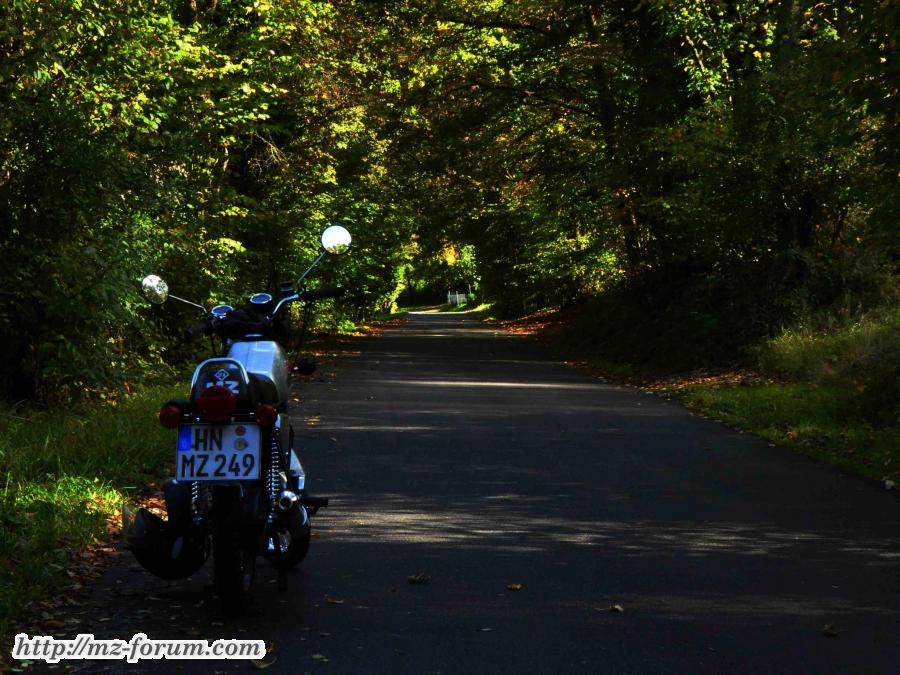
<point>260,664</point>
<point>514,587</point>
<point>616,608</point>
<point>418,579</point>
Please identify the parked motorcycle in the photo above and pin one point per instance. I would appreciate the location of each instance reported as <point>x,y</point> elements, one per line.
<point>239,490</point>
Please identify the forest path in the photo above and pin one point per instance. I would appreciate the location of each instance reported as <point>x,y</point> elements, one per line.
<point>453,450</point>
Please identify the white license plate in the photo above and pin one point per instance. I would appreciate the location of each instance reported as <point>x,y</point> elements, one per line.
<point>217,452</point>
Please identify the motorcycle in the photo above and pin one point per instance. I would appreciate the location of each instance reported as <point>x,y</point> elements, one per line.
<point>239,489</point>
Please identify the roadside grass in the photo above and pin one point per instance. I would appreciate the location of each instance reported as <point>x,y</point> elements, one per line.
<point>482,310</point>
<point>816,420</point>
<point>830,390</point>
<point>63,479</point>
<point>860,355</point>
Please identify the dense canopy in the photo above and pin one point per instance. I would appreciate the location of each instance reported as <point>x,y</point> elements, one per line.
<point>732,159</point>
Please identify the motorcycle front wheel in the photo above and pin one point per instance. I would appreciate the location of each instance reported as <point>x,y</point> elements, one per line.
<point>234,557</point>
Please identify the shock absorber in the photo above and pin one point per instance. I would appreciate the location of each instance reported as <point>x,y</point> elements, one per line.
<point>196,507</point>
<point>273,478</point>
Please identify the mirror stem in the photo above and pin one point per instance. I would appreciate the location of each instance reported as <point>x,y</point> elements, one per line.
<point>310,269</point>
<point>188,302</point>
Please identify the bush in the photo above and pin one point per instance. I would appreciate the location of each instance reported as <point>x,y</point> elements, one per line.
<point>61,476</point>
<point>862,354</point>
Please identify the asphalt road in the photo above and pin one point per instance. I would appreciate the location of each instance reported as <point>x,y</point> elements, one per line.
<point>452,450</point>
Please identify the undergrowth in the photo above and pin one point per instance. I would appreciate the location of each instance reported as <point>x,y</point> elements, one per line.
<point>62,475</point>
<point>828,384</point>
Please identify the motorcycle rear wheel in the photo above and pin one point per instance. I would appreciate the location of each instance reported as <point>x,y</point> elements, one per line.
<point>234,560</point>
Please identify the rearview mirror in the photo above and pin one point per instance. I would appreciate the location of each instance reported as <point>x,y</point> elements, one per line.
<point>336,239</point>
<point>155,289</point>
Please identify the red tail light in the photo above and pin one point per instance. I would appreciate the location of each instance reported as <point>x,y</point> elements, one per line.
<point>266,415</point>
<point>216,404</point>
<point>170,416</point>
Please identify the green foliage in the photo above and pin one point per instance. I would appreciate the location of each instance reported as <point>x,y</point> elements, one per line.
<point>61,476</point>
<point>862,356</point>
<point>207,142</point>
<point>579,147</point>
<point>430,275</point>
<point>725,167</point>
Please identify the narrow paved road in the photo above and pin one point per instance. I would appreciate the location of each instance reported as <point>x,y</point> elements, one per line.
<point>455,451</point>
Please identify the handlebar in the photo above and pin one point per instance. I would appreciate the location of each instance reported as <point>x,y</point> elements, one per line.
<point>240,322</point>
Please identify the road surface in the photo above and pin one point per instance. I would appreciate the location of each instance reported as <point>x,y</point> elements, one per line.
<point>464,455</point>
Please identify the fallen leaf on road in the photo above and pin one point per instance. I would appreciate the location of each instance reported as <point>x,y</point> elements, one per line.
<point>514,587</point>
<point>889,484</point>
<point>259,665</point>
<point>420,579</point>
<point>616,608</point>
<point>269,648</point>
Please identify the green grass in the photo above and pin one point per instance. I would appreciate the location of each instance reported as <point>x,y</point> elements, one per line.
<point>818,353</point>
<point>61,476</point>
<point>830,388</point>
<point>482,310</point>
<point>817,420</point>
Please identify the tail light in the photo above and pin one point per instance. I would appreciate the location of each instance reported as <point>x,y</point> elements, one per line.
<point>216,404</point>
<point>266,415</point>
<point>170,416</point>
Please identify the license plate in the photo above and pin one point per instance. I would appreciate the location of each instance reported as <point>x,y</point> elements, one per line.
<point>217,452</point>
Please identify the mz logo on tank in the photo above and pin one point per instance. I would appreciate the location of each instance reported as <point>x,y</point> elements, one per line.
<point>220,376</point>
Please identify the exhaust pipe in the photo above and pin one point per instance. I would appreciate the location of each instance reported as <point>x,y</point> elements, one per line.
<point>286,500</point>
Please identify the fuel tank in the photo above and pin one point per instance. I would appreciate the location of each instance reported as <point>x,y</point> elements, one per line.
<point>266,365</point>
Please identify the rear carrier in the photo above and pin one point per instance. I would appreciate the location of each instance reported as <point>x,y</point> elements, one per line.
<point>223,374</point>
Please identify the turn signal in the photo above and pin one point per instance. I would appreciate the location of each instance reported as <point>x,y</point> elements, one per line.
<point>266,415</point>
<point>216,404</point>
<point>170,416</point>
